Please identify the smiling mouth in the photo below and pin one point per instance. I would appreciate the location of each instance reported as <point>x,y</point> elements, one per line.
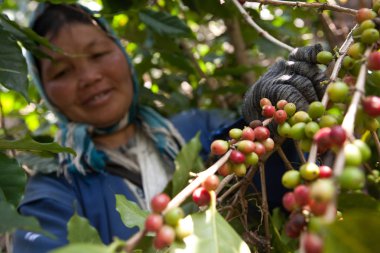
<point>97,99</point>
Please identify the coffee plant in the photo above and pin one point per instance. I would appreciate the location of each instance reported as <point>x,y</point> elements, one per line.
<point>331,202</point>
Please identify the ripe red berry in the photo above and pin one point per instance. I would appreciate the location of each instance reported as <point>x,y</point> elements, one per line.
<point>325,171</point>
<point>154,222</point>
<point>237,156</point>
<point>159,202</point>
<point>211,183</point>
<point>338,135</point>
<point>318,208</point>
<point>373,61</point>
<point>322,138</point>
<point>289,201</point>
<point>280,116</point>
<point>261,133</point>
<point>281,104</point>
<point>248,134</point>
<point>201,196</point>
<point>313,243</point>
<point>219,147</point>
<point>259,148</point>
<point>371,106</point>
<point>301,194</point>
<point>165,236</point>
<point>268,111</point>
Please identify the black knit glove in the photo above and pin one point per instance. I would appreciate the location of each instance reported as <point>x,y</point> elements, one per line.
<point>297,80</point>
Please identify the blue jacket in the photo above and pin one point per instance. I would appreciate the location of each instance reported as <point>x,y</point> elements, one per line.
<point>53,200</point>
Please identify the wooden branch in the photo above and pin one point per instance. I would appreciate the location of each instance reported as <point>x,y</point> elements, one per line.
<point>321,6</point>
<point>260,30</point>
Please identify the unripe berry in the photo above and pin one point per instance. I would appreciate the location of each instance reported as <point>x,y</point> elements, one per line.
<point>225,169</point>
<point>239,169</point>
<point>290,109</point>
<point>219,147</point>
<point>338,91</point>
<point>281,104</point>
<point>364,14</point>
<point>352,178</point>
<point>352,155</point>
<point>309,171</point>
<point>322,190</point>
<point>265,101</point>
<point>245,146</point>
<point>235,133</point>
<point>324,57</point>
<point>291,179</point>
<point>172,216</point>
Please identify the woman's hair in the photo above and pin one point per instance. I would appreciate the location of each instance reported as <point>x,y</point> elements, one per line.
<point>55,16</point>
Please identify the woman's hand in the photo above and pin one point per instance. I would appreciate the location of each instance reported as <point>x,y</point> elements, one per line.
<point>297,80</point>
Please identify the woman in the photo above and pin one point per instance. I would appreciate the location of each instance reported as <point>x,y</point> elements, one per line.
<point>122,147</point>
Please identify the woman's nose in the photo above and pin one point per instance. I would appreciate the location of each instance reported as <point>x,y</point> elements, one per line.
<point>88,74</point>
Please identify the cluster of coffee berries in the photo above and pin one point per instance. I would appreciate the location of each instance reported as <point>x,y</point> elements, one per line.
<point>247,145</point>
<point>167,226</point>
<point>201,196</point>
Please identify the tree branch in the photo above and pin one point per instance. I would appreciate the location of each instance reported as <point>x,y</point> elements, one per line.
<point>321,6</point>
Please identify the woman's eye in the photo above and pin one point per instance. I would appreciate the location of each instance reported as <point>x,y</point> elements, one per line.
<point>60,73</point>
<point>98,55</point>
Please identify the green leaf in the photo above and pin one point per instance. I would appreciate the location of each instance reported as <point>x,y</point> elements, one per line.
<point>82,247</point>
<point>212,234</point>
<point>81,231</point>
<point>130,213</point>
<point>186,161</point>
<point>12,179</point>
<point>357,232</point>
<point>13,69</point>
<point>28,144</point>
<point>164,24</point>
<point>349,201</point>
<point>12,220</point>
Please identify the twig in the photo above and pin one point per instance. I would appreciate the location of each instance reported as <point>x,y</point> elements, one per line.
<point>265,206</point>
<point>187,191</point>
<point>286,161</point>
<point>223,183</point>
<point>299,151</point>
<point>321,6</point>
<point>260,30</point>
<point>230,190</point>
<point>132,242</point>
<point>377,142</point>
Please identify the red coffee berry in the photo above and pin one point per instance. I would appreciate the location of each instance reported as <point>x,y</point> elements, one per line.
<point>280,116</point>
<point>289,201</point>
<point>268,144</point>
<point>237,156</point>
<point>373,61</point>
<point>154,222</point>
<point>268,111</point>
<point>259,148</point>
<point>301,194</point>
<point>159,202</point>
<point>325,171</point>
<point>281,104</point>
<point>322,138</point>
<point>261,133</point>
<point>201,196</point>
<point>313,243</point>
<point>338,135</point>
<point>211,183</point>
<point>248,134</point>
<point>164,237</point>
<point>371,106</point>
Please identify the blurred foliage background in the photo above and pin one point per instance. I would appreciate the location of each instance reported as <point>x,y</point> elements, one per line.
<point>187,53</point>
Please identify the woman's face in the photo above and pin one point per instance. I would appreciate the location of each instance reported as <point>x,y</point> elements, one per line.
<point>91,81</point>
